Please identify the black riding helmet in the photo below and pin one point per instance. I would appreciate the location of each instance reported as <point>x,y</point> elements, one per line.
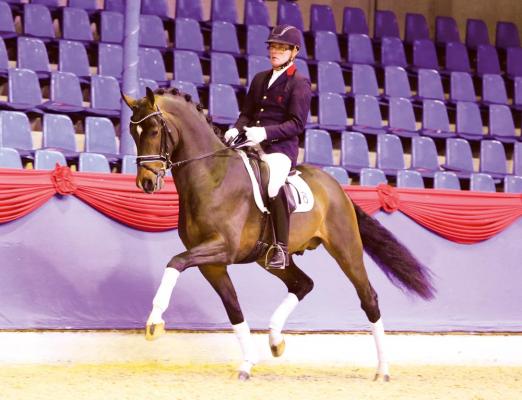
<point>285,34</point>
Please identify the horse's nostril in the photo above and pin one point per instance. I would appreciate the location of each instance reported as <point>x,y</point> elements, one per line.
<point>148,186</point>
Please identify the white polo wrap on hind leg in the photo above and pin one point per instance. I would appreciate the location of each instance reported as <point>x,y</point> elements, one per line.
<point>248,348</point>
<point>162,298</point>
<point>279,317</point>
<point>380,338</point>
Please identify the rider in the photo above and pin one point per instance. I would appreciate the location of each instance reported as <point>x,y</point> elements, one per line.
<point>274,114</point>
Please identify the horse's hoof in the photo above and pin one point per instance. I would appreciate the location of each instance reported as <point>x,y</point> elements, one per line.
<point>385,378</point>
<point>243,376</point>
<point>278,349</point>
<point>154,331</point>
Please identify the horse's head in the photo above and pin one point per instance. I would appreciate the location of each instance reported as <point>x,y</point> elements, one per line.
<point>155,141</point>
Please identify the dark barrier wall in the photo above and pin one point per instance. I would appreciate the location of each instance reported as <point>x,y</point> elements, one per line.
<point>68,266</point>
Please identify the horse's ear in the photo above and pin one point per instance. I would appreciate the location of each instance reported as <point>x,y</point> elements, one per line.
<point>150,96</point>
<point>128,100</point>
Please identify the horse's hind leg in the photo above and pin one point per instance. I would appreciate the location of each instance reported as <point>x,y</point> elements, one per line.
<point>219,279</point>
<point>299,285</point>
<point>345,246</point>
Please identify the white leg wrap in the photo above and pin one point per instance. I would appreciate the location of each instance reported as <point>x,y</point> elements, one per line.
<point>380,338</point>
<point>279,317</point>
<point>162,298</point>
<point>248,348</point>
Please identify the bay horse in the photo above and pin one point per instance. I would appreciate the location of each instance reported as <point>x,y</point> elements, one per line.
<point>220,224</point>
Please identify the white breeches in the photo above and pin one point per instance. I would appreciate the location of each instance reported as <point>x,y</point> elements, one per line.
<point>279,165</point>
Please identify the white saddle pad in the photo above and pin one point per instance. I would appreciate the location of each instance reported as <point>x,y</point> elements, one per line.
<point>303,196</point>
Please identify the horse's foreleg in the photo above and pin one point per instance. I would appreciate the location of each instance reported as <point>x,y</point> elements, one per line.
<point>206,253</point>
<point>299,285</point>
<point>219,279</point>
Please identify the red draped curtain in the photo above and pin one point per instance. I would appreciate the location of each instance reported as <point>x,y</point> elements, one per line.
<point>460,216</point>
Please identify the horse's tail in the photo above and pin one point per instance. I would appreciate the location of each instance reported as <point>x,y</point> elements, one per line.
<point>395,260</point>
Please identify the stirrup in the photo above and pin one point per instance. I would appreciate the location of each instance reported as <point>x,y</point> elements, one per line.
<point>277,248</point>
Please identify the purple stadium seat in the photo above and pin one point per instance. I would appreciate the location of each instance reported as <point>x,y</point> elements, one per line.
<point>481,182</point>
<point>151,65</point>
<point>514,62</point>
<point>469,121</point>
<point>303,53</point>
<point>506,35</point>
<point>58,134</point>
<point>4,59</point>
<point>223,106</point>
<point>73,58</point>
<point>188,88</point>
<point>288,12</point>
<point>38,21</point>
<point>396,83</point>
<point>385,25</point>
<point>100,137</point>
<point>256,64</point>
<point>330,78</point>
<point>115,5</point>
<point>446,30</point>
<point>424,156</point>
<point>7,27</point>
<point>493,90</point>
<point>111,27</point>
<point>45,159</point>
<point>429,85</point>
<point>435,120</point>
<point>256,13</point>
<point>390,154</point>
<point>302,67</point>
<point>513,184</point>
<point>223,10</point>
<point>517,95</point>
<point>517,159</point>
<point>354,152</point>
<point>155,7</point>
<point>332,112</point>
<point>322,18</point>
<point>187,67</point>
<point>462,88</point>
<point>110,60</point>
<point>144,84</point>
<point>409,179</point>
<point>360,49</point>
<point>456,58</point>
<point>424,55</point>
<point>392,52</point>
<point>364,80</point>
<point>189,9</point>
<point>458,157</point>
<point>338,173</point>
<point>89,5</point>
<point>105,96</point>
<point>66,94</point>
<point>416,28</point>
<point>501,125</point>
<point>476,33</point>
<point>493,158</point>
<point>10,158</point>
<point>326,47</point>
<point>318,148</point>
<point>152,33</point>
<point>24,90</point>
<point>93,162</point>
<point>32,54</point>
<point>15,132</point>
<point>224,38</point>
<point>446,180</point>
<point>372,177</point>
<point>354,21</point>
<point>128,164</point>
<point>402,119</point>
<point>487,60</point>
<point>188,35</point>
<point>256,36</point>
<point>223,69</point>
<point>367,116</point>
<point>76,24</point>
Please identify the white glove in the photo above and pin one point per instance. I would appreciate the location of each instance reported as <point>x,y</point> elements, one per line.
<point>231,134</point>
<point>255,134</point>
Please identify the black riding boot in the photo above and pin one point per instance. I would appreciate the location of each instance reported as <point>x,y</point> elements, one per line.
<point>281,220</point>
